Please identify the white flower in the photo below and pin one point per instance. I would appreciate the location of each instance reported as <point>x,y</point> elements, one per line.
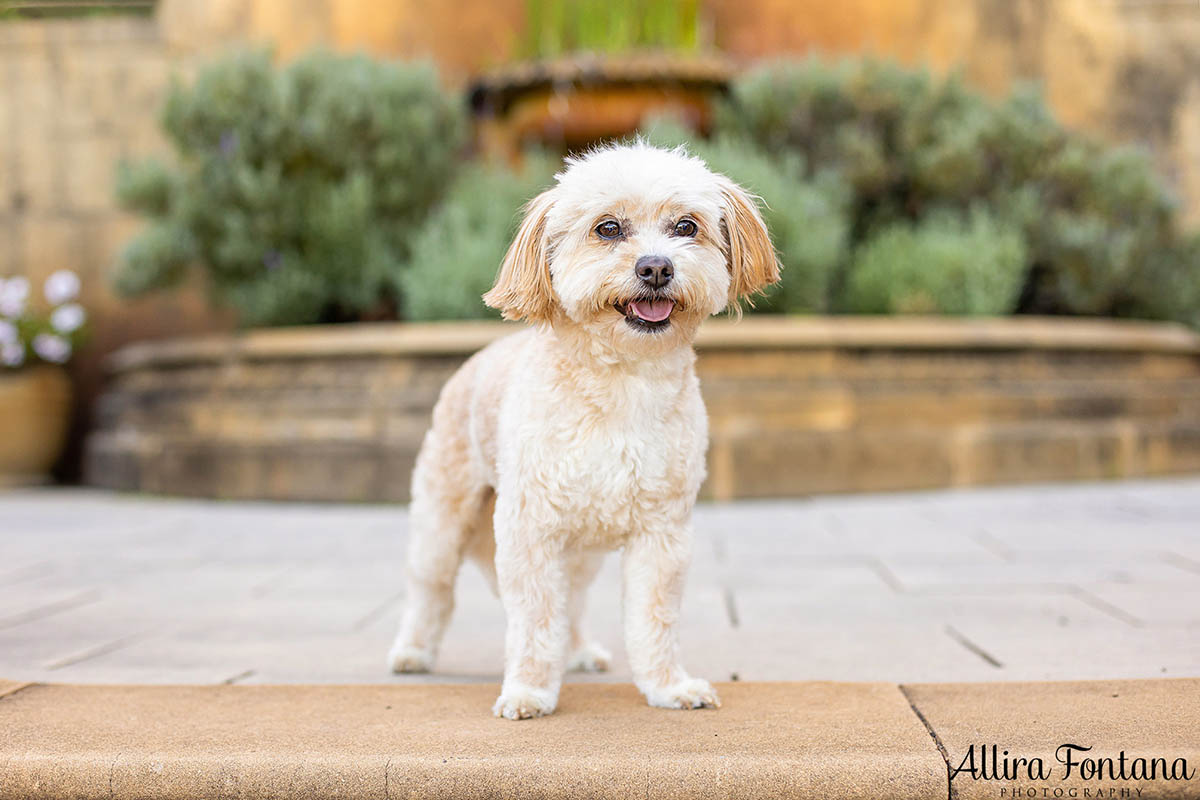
<point>13,294</point>
<point>12,354</point>
<point>61,287</point>
<point>67,319</point>
<point>8,332</point>
<point>51,348</point>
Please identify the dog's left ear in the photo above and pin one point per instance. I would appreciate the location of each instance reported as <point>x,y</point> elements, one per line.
<point>752,260</point>
<point>523,288</point>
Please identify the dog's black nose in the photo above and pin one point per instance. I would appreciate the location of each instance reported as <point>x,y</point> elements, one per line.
<point>655,271</point>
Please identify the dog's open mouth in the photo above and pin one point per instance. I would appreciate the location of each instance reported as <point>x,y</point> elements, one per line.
<point>647,313</point>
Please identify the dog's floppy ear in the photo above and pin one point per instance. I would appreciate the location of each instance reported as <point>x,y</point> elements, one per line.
<point>523,287</point>
<point>752,260</point>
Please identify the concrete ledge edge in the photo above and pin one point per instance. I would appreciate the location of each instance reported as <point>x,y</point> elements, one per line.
<point>765,332</point>
<point>822,739</point>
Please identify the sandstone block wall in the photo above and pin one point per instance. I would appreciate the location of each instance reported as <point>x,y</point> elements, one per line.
<point>76,97</point>
<point>795,407</point>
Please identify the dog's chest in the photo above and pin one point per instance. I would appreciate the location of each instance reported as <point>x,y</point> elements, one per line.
<point>598,468</point>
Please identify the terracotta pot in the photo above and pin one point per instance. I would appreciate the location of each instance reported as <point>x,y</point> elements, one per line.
<point>572,102</point>
<point>35,410</point>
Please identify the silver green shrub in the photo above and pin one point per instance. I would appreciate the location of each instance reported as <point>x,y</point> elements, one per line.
<point>297,191</point>
<point>946,264</point>
<point>456,254</point>
<point>1099,229</point>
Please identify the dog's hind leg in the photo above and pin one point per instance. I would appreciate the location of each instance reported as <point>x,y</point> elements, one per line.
<point>443,516</point>
<point>481,546</point>
<point>584,655</point>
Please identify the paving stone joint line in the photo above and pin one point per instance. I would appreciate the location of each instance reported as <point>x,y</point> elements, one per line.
<point>951,792</point>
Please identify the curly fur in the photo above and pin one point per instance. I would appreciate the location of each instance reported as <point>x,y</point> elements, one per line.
<point>584,433</point>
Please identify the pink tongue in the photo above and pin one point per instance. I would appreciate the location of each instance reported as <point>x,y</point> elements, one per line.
<point>653,310</point>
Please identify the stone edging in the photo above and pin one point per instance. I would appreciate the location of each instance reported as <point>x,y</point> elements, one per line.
<point>461,338</point>
<point>845,740</point>
<point>34,33</point>
<point>796,405</point>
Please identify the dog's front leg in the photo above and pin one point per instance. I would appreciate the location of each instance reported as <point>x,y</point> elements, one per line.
<point>533,587</point>
<point>654,567</point>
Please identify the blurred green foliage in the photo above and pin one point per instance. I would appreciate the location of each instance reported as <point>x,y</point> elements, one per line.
<point>458,251</point>
<point>889,191</point>
<point>297,190</point>
<point>334,189</point>
<point>935,170</point>
<point>62,9</point>
<point>557,27</point>
<point>941,265</point>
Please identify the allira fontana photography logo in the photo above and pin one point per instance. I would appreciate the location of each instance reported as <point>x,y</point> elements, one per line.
<point>1091,774</point>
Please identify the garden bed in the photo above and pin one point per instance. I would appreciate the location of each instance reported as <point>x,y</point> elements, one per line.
<point>796,405</point>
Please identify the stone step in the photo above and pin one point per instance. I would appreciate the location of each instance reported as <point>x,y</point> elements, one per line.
<point>845,740</point>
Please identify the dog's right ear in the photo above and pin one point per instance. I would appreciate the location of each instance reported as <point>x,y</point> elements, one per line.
<point>523,288</point>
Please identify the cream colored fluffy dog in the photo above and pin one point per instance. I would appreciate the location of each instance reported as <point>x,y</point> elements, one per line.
<point>586,432</point>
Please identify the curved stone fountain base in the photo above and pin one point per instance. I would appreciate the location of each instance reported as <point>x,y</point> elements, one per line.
<point>796,406</point>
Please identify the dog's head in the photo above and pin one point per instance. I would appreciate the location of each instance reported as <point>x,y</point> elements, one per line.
<point>637,245</point>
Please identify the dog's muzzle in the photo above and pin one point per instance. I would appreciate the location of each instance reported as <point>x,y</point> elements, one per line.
<point>650,311</point>
<point>654,271</point>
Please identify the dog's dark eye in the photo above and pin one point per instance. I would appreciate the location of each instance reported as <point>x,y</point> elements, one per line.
<point>608,229</point>
<point>685,227</point>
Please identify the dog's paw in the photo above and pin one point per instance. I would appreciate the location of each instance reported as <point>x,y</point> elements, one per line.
<point>688,693</point>
<point>524,702</point>
<point>406,658</point>
<point>591,657</point>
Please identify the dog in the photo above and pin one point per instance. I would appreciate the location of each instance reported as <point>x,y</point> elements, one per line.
<point>585,432</point>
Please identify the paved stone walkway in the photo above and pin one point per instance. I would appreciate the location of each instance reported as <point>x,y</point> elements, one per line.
<point>1030,583</point>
